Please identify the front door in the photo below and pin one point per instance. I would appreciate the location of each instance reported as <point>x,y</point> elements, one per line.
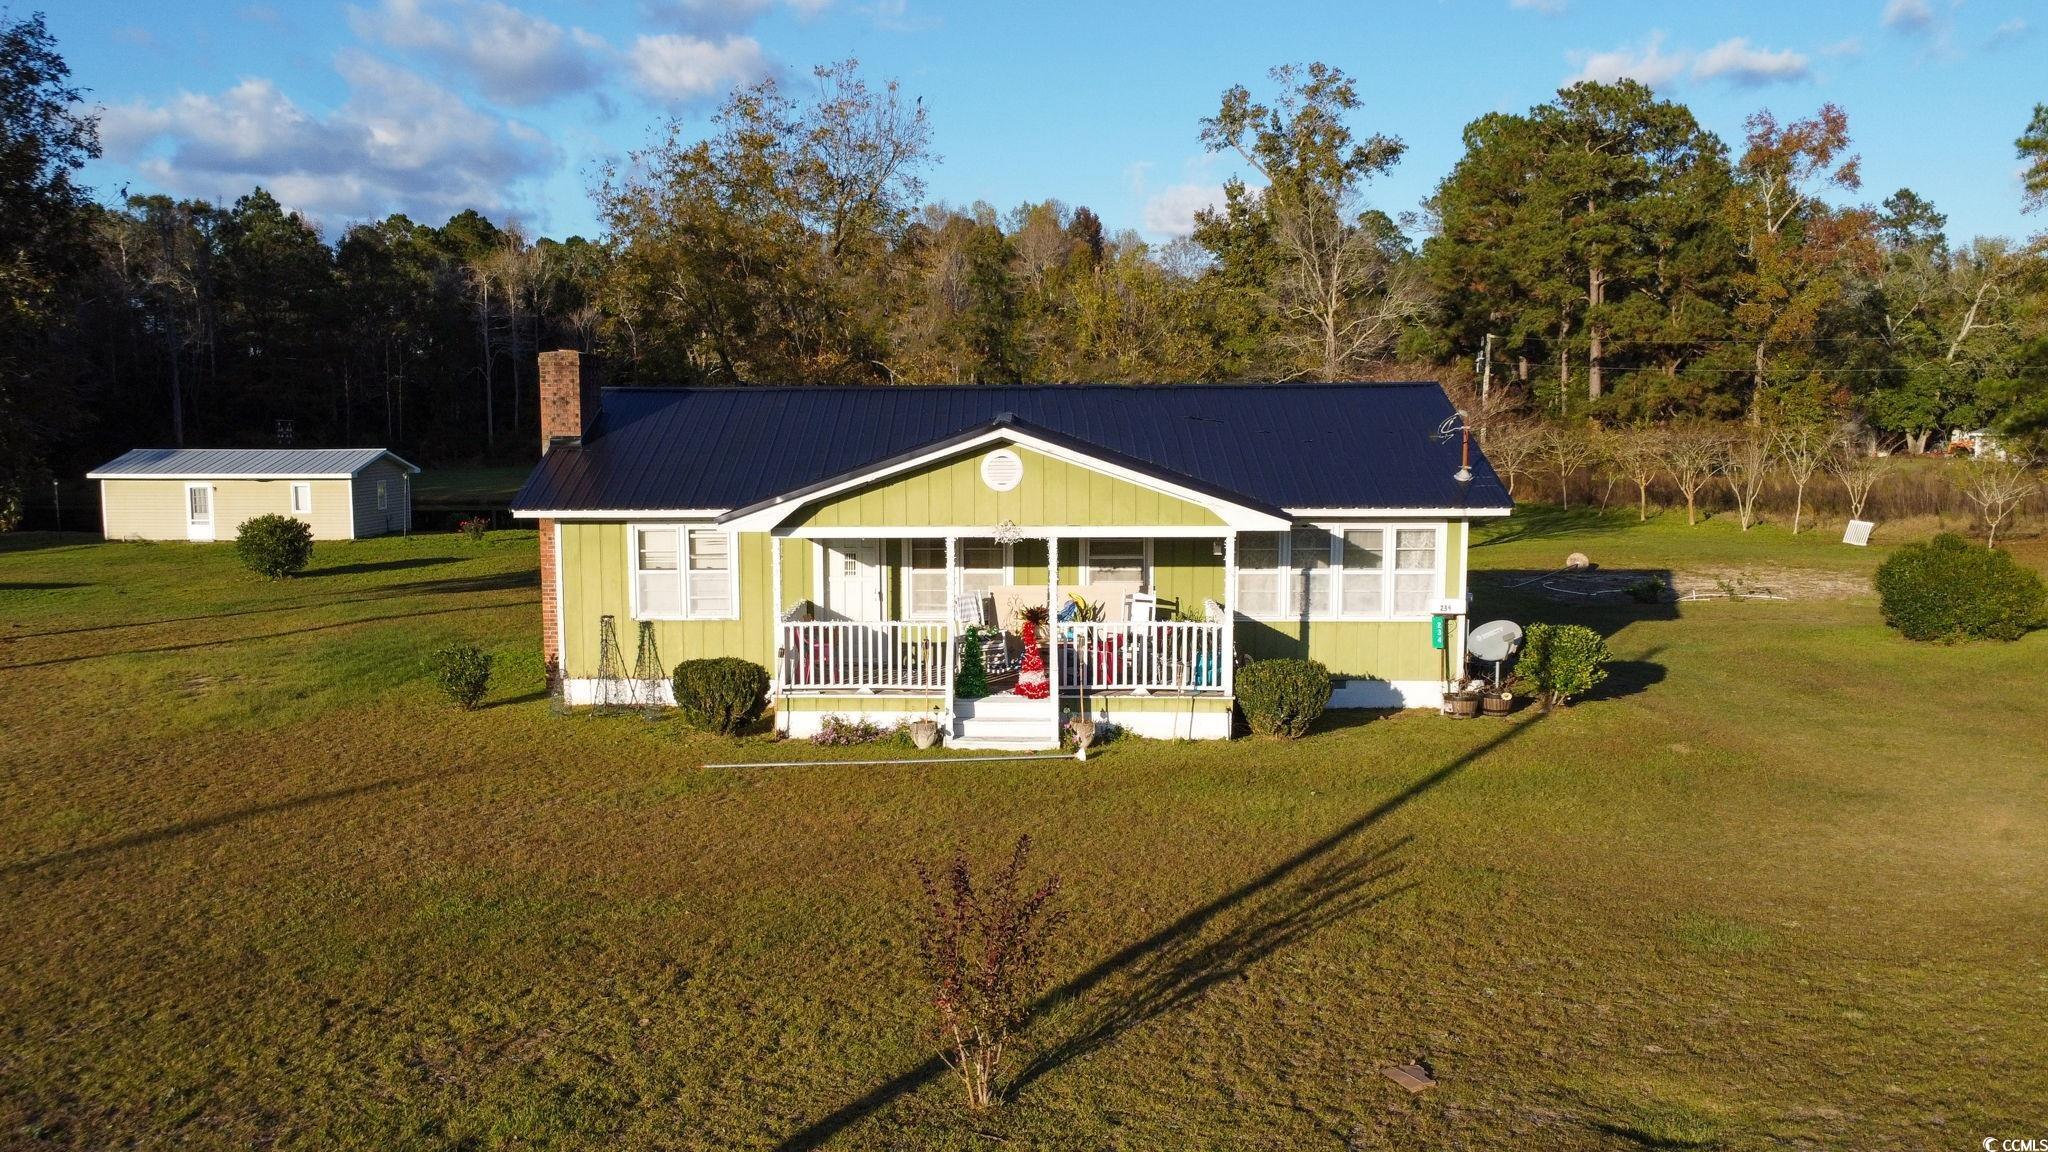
<point>198,511</point>
<point>853,579</point>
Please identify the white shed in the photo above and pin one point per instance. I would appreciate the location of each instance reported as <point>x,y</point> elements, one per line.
<point>206,493</point>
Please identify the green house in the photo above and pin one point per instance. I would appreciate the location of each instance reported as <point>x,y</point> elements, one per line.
<point>852,540</point>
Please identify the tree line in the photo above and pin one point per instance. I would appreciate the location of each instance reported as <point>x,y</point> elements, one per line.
<point>1619,263</point>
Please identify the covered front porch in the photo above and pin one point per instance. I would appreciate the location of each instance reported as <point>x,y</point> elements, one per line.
<point>885,622</point>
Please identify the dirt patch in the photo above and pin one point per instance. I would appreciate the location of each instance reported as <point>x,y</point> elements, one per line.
<point>1664,586</point>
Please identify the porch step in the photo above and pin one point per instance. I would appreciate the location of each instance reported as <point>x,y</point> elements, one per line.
<point>1005,723</point>
<point>1004,744</point>
<point>1004,708</point>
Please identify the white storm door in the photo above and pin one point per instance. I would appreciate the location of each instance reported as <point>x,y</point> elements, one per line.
<point>198,511</point>
<point>853,579</point>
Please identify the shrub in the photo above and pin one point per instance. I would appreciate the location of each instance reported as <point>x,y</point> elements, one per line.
<point>473,529</point>
<point>274,546</point>
<point>463,671</point>
<point>836,731</point>
<point>722,695</point>
<point>1561,661</point>
<point>983,947</point>
<point>1948,589</point>
<point>1282,697</point>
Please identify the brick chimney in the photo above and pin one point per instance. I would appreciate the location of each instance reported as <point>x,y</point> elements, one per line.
<point>569,383</point>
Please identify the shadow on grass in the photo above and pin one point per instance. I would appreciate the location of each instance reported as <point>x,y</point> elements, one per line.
<point>208,823</point>
<point>380,566</point>
<point>47,586</point>
<point>1175,965</point>
<point>498,582</point>
<point>523,698</point>
<point>192,645</point>
<point>1628,677</point>
<point>1544,521</point>
<point>36,541</point>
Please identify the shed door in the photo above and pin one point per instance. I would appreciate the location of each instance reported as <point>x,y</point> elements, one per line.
<point>198,511</point>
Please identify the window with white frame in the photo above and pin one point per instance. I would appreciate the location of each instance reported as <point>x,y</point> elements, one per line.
<point>1116,561</point>
<point>984,564</point>
<point>684,574</point>
<point>924,580</point>
<point>302,498</point>
<point>1340,573</point>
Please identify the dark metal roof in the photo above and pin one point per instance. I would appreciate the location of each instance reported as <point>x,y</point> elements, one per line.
<point>249,463</point>
<point>1273,445</point>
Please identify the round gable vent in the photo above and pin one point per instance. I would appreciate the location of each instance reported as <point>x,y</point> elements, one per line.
<point>1002,470</point>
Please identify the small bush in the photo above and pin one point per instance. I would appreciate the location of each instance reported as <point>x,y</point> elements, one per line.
<point>463,671</point>
<point>1562,661</point>
<point>274,546</point>
<point>722,695</point>
<point>1948,589</point>
<point>836,731</point>
<point>473,529</point>
<point>1282,697</point>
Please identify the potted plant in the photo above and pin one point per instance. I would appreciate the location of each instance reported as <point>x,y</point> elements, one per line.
<point>1498,700</point>
<point>1461,700</point>
<point>924,733</point>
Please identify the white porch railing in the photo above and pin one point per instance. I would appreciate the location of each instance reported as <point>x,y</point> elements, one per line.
<point>888,654</point>
<point>1152,655</point>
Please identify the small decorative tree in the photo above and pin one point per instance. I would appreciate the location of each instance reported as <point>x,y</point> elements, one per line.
<point>1562,661</point>
<point>972,681</point>
<point>274,546</point>
<point>463,672</point>
<point>983,953</point>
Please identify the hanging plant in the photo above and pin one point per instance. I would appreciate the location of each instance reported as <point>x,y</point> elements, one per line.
<point>972,681</point>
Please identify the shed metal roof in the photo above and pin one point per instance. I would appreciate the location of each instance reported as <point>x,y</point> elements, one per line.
<point>1293,446</point>
<point>242,463</point>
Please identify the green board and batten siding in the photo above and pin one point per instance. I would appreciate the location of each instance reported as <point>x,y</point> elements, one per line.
<point>1052,491</point>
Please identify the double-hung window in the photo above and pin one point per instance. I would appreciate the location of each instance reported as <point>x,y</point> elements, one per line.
<point>984,564</point>
<point>924,580</point>
<point>1116,562</point>
<point>1342,573</point>
<point>684,574</point>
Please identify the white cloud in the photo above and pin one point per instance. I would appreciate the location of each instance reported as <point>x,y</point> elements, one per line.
<point>511,56</point>
<point>399,143</point>
<point>1547,7</point>
<point>1649,64</point>
<point>675,67</point>
<point>1911,16</point>
<point>1172,211</point>
<point>1737,61</point>
<point>2012,30</point>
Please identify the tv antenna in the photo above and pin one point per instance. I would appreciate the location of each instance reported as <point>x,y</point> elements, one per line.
<point>1457,425</point>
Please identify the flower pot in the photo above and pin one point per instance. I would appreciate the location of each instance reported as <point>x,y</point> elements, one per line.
<point>1463,705</point>
<point>1495,704</point>
<point>924,732</point>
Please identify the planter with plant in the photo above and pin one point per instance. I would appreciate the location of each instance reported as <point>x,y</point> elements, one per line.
<point>1461,701</point>
<point>924,733</point>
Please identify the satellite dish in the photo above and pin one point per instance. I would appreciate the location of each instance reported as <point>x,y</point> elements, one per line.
<point>1494,641</point>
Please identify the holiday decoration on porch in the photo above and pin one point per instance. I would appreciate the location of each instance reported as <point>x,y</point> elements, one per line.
<point>972,681</point>
<point>1032,683</point>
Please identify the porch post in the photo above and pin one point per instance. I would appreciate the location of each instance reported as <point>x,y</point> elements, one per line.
<point>952,627</point>
<point>1052,630</point>
<point>1229,613</point>
<point>775,625</point>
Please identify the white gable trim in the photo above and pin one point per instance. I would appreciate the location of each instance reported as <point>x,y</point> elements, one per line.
<point>1380,513</point>
<point>1238,516</point>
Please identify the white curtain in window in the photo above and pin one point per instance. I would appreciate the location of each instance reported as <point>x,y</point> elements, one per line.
<point>710,575</point>
<point>1259,588</point>
<point>1309,552</point>
<point>1365,563</point>
<point>925,582</point>
<point>1415,578</point>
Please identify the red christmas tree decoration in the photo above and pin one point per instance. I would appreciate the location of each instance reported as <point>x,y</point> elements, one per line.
<point>1032,683</point>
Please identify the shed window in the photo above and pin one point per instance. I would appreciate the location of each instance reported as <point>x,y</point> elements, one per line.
<point>302,498</point>
<point>683,574</point>
<point>383,495</point>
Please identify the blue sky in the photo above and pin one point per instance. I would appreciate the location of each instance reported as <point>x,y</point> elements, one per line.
<point>349,111</point>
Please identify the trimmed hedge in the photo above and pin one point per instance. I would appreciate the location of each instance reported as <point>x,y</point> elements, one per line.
<point>274,546</point>
<point>721,695</point>
<point>1562,661</point>
<point>1949,589</point>
<point>464,673</point>
<point>1282,697</point>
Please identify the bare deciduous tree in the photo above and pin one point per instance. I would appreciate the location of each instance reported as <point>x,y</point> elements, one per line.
<point>1998,485</point>
<point>1637,452</point>
<point>1858,473</point>
<point>1693,455</point>
<point>1804,448</point>
<point>1566,449</point>
<point>1748,459</point>
<point>1512,446</point>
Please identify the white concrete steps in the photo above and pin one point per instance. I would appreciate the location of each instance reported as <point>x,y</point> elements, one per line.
<point>1005,723</point>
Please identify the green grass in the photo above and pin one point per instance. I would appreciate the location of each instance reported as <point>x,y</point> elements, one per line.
<point>1783,884</point>
<point>468,487</point>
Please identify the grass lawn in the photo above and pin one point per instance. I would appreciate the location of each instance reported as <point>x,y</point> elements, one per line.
<point>469,487</point>
<point>1783,885</point>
